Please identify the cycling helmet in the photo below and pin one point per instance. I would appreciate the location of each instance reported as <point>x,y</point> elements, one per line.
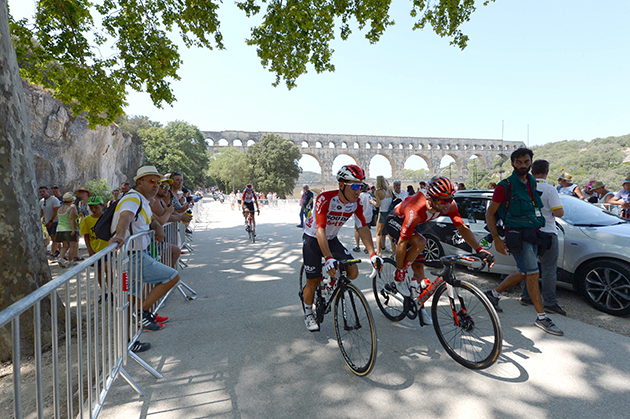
<point>440,187</point>
<point>350,173</point>
<point>249,186</point>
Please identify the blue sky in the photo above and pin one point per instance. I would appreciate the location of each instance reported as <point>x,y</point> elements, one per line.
<point>558,67</point>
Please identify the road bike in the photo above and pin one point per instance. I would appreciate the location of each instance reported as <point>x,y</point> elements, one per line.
<point>250,227</point>
<point>352,318</point>
<point>464,320</point>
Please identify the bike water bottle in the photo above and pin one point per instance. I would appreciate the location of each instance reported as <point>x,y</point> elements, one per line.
<point>428,288</point>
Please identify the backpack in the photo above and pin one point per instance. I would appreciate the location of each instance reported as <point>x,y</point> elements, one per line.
<point>395,201</point>
<point>103,227</point>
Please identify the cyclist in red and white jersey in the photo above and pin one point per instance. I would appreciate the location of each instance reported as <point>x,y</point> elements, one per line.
<point>332,210</point>
<point>248,199</point>
<point>403,225</point>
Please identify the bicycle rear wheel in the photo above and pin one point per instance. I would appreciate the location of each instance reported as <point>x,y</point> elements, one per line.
<point>469,329</point>
<point>389,300</point>
<point>354,328</point>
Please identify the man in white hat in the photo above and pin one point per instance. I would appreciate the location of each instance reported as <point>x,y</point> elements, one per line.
<point>125,222</point>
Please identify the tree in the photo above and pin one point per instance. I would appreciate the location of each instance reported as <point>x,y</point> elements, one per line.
<point>179,146</point>
<point>23,266</point>
<point>274,165</point>
<point>230,167</point>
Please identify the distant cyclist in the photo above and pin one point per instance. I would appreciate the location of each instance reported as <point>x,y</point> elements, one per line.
<point>248,199</point>
<point>403,224</point>
<point>332,210</point>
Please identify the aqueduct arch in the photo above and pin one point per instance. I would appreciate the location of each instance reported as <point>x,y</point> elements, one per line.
<point>362,148</point>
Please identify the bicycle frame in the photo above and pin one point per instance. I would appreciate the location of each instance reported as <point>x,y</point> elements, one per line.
<point>339,286</point>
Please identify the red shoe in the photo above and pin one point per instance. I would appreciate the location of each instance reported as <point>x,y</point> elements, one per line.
<point>161,319</point>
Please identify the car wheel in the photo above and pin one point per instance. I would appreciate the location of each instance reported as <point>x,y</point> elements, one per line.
<point>606,286</point>
<point>433,250</point>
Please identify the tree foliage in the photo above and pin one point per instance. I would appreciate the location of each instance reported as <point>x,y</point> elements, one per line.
<point>179,146</point>
<point>273,164</point>
<point>230,168</point>
<point>91,66</point>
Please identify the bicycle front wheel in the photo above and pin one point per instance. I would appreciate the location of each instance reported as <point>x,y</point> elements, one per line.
<point>354,328</point>
<point>467,325</point>
<point>389,300</point>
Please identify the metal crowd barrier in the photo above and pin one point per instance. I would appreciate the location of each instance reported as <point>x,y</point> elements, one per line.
<point>91,319</point>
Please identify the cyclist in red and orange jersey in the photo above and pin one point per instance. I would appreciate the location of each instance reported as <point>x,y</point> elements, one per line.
<point>403,225</point>
<point>332,210</point>
<point>248,199</point>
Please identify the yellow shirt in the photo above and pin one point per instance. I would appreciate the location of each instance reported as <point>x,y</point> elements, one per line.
<point>87,227</point>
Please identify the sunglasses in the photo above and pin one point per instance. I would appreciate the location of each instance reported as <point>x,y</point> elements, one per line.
<point>165,186</point>
<point>354,186</point>
<point>444,201</point>
<point>151,181</point>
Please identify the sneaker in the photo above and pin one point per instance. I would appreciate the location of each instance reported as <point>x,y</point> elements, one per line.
<point>78,259</point>
<point>161,319</point>
<point>72,263</point>
<point>494,301</point>
<point>526,302</point>
<point>311,324</point>
<point>356,249</point>
<point>149,323</point>
<point>247,228</point>
<point>140,347</point>
<point>555,309</point>
<point>547,325</point>
<point>425,319</point>
<point>63,263</point>
<point>56,254</point>
<point>300,226</point>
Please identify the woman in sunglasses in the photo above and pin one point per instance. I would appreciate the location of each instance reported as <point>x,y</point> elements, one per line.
<point>403,225</point>
<point>332,210</point>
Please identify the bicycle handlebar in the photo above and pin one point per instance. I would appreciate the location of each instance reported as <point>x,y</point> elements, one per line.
<point>472,261</point>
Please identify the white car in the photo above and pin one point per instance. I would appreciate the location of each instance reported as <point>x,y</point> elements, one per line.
<point>594,247</point>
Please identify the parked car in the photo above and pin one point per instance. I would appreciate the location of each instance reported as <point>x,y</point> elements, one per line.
<point>594,247</point>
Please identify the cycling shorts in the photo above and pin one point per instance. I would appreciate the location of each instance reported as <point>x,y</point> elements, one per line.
<point>249,206</point>
<point>393,226</point>
<point>313,256</point>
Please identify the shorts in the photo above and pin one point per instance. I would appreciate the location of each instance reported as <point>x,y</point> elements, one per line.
<point>249,206</point>
<point>382,217</point>
<point>393,226</point>
<point>52,230</point>
<point>153,272</point>
<point>527,259</point>
<point>64,236</point>
<point>312,255</point>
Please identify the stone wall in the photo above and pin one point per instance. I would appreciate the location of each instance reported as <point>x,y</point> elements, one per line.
<point>68,154</point>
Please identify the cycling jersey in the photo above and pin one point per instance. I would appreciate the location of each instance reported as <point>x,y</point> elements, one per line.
<point>331,214</point>
<point>414,211</point>
<point>249,196</point>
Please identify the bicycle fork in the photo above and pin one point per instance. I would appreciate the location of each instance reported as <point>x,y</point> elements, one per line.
<point>344,310</point>
<point>460,318</point>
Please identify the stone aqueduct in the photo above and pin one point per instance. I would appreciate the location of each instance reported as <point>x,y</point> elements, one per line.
<point>362,148</point>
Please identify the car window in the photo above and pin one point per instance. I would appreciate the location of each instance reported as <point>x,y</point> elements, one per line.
<point>472,209</point>
<point>584,214</point>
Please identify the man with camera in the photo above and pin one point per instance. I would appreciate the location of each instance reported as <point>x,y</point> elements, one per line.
<point>517,202</point>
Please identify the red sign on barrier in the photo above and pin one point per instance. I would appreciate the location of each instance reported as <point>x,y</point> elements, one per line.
<point>125,282</point>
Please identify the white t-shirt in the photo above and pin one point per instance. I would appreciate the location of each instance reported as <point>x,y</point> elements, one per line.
<point>402,194</point>
<point>131,202</point>
<point>364,199</point>
<point>551,201</point>
<point>49,209</point>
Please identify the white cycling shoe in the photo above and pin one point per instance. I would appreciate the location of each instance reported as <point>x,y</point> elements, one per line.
<point>311,323</point>
<point>403,287</point>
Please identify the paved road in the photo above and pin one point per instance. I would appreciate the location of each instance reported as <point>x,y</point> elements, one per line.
<point>241,350</point>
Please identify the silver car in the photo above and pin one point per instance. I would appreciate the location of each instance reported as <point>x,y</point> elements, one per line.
<point>594,247</point>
